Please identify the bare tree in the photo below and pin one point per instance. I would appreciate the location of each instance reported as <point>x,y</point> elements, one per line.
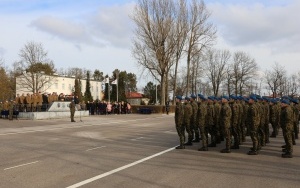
<point>243,69</point>
<point>34,68</point>
<point>216,61</point>
<point>275,79</point>
<point>153,45</point>
<point>181,29</point>
<point>201,33</point>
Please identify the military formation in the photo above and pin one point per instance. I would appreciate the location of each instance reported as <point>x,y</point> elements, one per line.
<point>232,118</point>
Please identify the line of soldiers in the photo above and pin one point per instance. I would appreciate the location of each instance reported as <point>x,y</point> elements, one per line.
<point>34,102</point>
<point>237,117</point>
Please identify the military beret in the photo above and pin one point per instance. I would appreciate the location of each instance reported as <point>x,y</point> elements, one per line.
<point>253,97</point>
<point>233,97</point>
<point>193,96</point>
<point>258,97</point>
<point>246,99</point>
<point>225,97</point>
<point>273,101</point>
<point>294,101</point>
<point>179,97</point>
<point>211,98</point>
<point>201,97</point>
<point>285,101</point>
<point>187,98</point>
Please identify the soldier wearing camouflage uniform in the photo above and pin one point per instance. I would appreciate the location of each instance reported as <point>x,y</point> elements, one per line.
<point>267,120</point>
<point>210,121</point>
<point>217,108</point>
<point>179,112</point>
<point>234,122</point>
<point>272,117</point>
<point>296,119</point>
<point>225,123</point>
<point>194,126</point>
<point>253,122</point>
<point>261,133</point>
<point>287,125</point>
<point>201,120</point>
<point>188,111</point>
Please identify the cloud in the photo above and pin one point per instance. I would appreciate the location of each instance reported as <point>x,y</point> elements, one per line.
<point>258,24</point>
<point>109,25</point>
<point>66,30</point>
<point>113,24</point>
<point>2,51</point>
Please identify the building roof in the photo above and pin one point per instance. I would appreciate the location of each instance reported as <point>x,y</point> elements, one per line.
<point>134,95</point>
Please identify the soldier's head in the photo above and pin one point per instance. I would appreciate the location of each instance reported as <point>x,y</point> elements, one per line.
<point>201,97</point>
<point>285,103</point>
<point>225,99</point>
<point>252,99</point>
<point>193,97</point>
<point>210,99</point>
<point>294,101</point>
<point>187,99</point>
<point>178,98</point>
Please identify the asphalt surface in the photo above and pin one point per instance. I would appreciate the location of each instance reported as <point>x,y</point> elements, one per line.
<point>131,151</point>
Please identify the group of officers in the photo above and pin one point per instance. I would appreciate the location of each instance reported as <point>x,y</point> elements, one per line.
<point>236,117</point>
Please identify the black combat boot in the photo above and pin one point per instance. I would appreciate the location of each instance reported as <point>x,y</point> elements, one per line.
<point>283,146</point>
<point>203,149</point>
<point>235,146</point>
<point>287,155</point>
<point>225,151</point>
<point>180,147</point>
<point>189,143</point>
<point>196,140</point>
<point>212,145</point>
<point>252,152</point>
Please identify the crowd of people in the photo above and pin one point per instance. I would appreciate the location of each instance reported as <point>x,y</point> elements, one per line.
<point>103,107</point>
<point>38,102</point>
<point>236,117</point>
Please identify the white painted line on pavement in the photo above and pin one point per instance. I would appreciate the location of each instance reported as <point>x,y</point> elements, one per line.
<point>21,165</point>
<point>133,139</point>
<point>118,169</point>
<point>95,148</point>
<point>75,127</point>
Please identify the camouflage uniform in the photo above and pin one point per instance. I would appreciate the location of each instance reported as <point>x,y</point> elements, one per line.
<point>225,124</point>
<point>194,126</point>
<point>261,133</point>
<point>201,120</point>
<point>210,123</point>
<point>287,125</point>
<point>278,112</point>
<point>295,122</point>
<point>217,108</point>
<point>253,122</point>
<point>10,110</point>
<point>266,122</point>
<point>234,124</point>
<point>188,111</point>
<point>179,113</point>
<point>272,117</point>
<point>72,110</point>
<point>243,120</point>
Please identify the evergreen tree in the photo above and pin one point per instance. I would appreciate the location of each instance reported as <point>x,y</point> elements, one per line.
<point>87,93</point>
<point>77,87</point>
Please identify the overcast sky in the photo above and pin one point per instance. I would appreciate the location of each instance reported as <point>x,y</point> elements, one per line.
<point>96,34</point>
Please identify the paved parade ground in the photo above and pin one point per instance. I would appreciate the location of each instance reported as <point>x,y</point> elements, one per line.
<point>131,151</point>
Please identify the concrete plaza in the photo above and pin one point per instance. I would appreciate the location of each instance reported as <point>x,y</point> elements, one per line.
<point>131,151</point>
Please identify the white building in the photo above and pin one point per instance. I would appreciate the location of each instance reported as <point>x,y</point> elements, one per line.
<point>54,83</point>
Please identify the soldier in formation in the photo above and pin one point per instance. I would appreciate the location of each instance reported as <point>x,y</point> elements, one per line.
<point>234,118</point>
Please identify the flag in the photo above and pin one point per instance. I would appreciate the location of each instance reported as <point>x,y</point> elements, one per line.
<point>115,81</point>
<point>107,80</point>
